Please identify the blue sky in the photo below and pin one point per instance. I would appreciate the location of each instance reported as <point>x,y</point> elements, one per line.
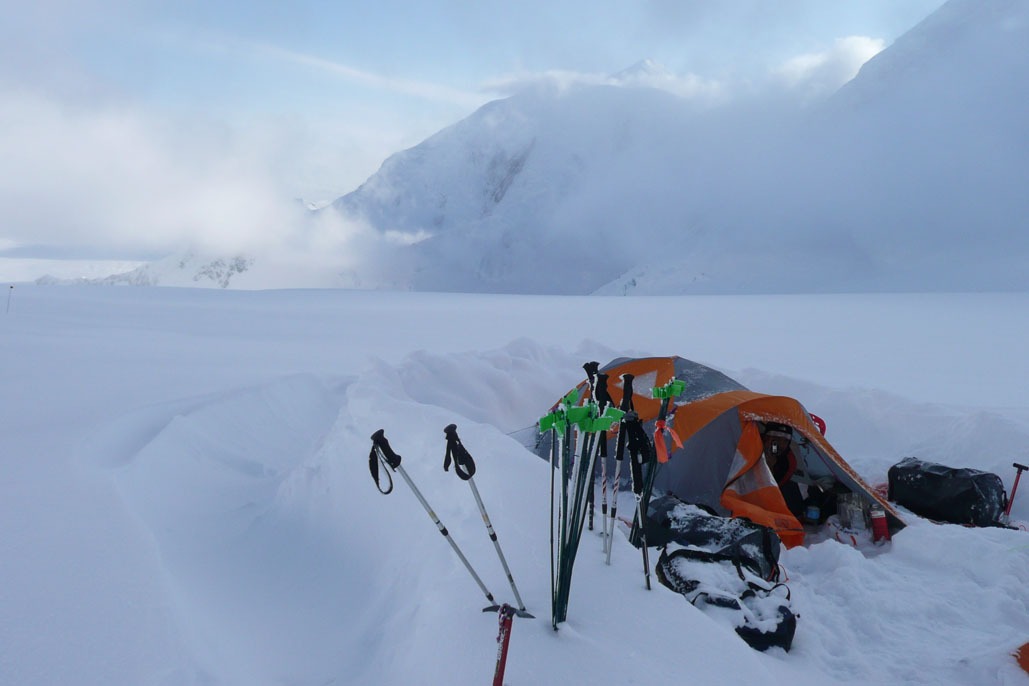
<point>200,104</point>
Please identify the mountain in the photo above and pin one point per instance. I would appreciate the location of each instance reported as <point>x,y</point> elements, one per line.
<point>528,194</point>
<point>188,269</point>
<point>911,177</point>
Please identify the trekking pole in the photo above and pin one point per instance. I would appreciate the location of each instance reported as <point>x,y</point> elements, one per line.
<point>383,453</point>
<point>1018,475</point>
<point>627,407</point>
<point>464,467</point>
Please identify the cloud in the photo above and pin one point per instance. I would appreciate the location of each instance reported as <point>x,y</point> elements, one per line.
<point>646,73</point>
<point>420,89</point>
<point>118,177</point>
<point>820,73</point>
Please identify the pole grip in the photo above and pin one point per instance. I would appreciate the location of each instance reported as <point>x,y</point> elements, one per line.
<point>591,369</point>
<point>380,442</point>
<point>1019,467</point>
<point>627,391</point>
<point>464,465</point>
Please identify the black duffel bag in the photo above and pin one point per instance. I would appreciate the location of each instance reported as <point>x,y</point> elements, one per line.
<point>947,494</point>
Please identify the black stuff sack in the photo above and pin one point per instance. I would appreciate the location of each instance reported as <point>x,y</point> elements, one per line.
<point>947,494</point>
<point>756,547</point>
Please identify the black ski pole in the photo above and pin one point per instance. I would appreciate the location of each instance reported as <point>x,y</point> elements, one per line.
<point>641,453</point>
<point>382,453</point>
<point>559,424</point>
<point>591,369</point>
<point>627,407</point>
<point>604,401</point>
<point>464,467</point>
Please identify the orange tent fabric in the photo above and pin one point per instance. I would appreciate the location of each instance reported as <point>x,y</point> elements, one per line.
<point>720,463</point>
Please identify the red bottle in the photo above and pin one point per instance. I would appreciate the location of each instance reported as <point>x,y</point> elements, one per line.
<point>880,528</point>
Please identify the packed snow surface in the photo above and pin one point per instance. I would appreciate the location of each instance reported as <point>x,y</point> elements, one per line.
<point>186,496</point>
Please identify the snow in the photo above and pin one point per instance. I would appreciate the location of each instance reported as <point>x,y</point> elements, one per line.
<point>186,498</point>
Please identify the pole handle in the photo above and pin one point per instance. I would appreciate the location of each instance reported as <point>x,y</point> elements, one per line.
<point>382,452</point>
<point>379,441</point>
<point>1019,467</point>
<point>464,465</point>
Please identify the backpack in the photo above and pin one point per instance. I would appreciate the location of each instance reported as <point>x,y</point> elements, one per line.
<point>759,611</point>
<point>756,547</point>
<point>723,565</point>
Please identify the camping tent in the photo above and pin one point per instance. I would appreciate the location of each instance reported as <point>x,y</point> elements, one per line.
<point>718,421</point>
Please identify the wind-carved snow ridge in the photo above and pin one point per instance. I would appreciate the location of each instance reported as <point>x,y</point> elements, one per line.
<point>287,565</point>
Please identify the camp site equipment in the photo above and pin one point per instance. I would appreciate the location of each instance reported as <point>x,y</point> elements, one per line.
<point>763,615</point>
<point>566,422</point>
<point>383,454</point>
<point>728,563</point>
<point>506,615</point>
<point>625,407</point>
<point>880,530</point>
<point>720,465</point>
<point>670,521</point>
<point>464,467</point>
<point>1022,655</point>
<point>632,437</point>
<point>665,394</point>
<point>947,494</point>
<point>1019,468</point>
<point>599,390</point>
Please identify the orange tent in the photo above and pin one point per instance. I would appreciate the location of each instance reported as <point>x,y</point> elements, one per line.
<point>718,422</point>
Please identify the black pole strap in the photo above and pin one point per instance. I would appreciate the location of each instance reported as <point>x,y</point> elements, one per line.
<point>464,465</point>
<point>382,452</point>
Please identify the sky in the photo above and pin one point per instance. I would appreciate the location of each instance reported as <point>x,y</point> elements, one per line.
<point>186,499</point>
<point>130,128</point>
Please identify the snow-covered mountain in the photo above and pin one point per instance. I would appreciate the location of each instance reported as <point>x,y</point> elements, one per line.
<point>188,269</point>
<point>911,177</point>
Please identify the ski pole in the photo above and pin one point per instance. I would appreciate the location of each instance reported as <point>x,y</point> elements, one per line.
<point>591,369</point>
<point>9,292</point>
<point>626,406</point>
<point>559,423</point>
<point>604,399</point>
<point>640,454</point>
<point>665,394</point>
<point>1018,475</point>
<point>506,615</point>
<point>464,467</point>
<point>573,500</point>
<point>383,453</point>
